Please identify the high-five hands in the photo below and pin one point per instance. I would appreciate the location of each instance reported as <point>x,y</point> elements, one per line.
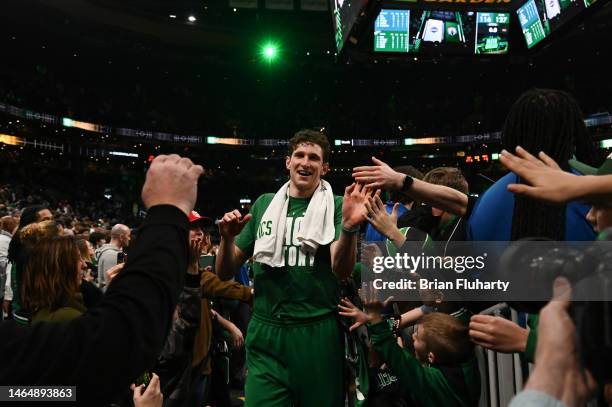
<point>350,310</point>
<point>372,304</point>
<point>353,205</point>
<point>378,217</point>
<point>546,180</point>
<point>379,176</point>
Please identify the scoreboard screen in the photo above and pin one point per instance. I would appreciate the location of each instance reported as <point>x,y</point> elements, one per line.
<point>392,31</point>
<point>344,15</point>
<point>538,18</point>
<point>534,29</point>
<point>441,32</point>
<point>492,30</point>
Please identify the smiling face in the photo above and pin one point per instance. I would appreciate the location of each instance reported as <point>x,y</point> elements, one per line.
<point>306,167</point>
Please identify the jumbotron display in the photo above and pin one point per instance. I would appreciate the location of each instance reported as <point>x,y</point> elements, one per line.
<point>492,30</point>
<point>344,14</point>
<point>446,32</point>
<point>538,18</point>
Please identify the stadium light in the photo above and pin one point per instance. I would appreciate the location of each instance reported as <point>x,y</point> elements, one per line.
<point>269,51</point>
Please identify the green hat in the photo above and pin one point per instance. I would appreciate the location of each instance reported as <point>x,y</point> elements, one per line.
<point>605,169</point>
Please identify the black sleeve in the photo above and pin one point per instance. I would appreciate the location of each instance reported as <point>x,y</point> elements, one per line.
<point>105,349</point>
<point>419,217</point>
<point>92,295</point>
<point>470,207</point>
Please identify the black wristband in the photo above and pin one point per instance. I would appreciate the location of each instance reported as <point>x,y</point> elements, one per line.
<point>407,184</point>
<point>351,231</point>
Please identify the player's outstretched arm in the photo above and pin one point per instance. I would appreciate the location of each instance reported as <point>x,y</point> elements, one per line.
<point>344,250</point>
<point>382,176</point>
<point>229,256</point>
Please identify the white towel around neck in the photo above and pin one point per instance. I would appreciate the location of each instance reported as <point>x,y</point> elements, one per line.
<point>317,227</point>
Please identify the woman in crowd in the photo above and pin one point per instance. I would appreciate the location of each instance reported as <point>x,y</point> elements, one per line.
<point>51,281</point>
<point>92,295</point>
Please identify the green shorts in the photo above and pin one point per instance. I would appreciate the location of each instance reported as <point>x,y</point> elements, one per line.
<point>294,364</point>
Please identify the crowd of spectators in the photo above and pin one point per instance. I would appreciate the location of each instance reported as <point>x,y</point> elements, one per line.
<point>66,268</point>
<point>123,292</point>
<point>79,216</point>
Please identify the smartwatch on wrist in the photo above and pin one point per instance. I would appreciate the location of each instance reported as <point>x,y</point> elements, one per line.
<point>407,184</point>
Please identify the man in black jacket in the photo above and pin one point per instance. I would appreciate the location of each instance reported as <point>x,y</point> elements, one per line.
<point>104,350</point>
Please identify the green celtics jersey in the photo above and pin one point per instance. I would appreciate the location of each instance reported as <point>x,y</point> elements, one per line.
<point>306,287</point>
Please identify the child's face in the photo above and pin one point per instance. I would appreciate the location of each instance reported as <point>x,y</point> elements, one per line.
<point>600,217</point>
<point>420,347</point>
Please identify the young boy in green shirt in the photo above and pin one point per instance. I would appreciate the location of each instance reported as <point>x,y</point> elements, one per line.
<point>442,371</point>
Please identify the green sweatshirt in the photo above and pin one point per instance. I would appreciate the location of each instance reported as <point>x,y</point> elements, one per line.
<point>427,385</point>
<point>532,338</point>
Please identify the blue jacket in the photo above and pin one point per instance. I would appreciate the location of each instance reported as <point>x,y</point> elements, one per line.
<point>491,219</point>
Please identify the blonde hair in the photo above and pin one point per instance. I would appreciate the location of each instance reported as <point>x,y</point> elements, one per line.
<point>447,176</point>
<point>35,233</point>
<point>83,246</point>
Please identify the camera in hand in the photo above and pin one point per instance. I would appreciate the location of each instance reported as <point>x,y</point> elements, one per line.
<point>588,268</point>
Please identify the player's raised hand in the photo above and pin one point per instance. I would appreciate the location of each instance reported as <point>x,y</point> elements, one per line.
<point>232,223</point>
<point>172,180</point>
<point>380,175</point>
<point>353,205</point>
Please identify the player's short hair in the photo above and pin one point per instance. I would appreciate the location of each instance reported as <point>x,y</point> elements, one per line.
<point>446,337</point>
<point>310,137</point>
<point>447,176</point>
